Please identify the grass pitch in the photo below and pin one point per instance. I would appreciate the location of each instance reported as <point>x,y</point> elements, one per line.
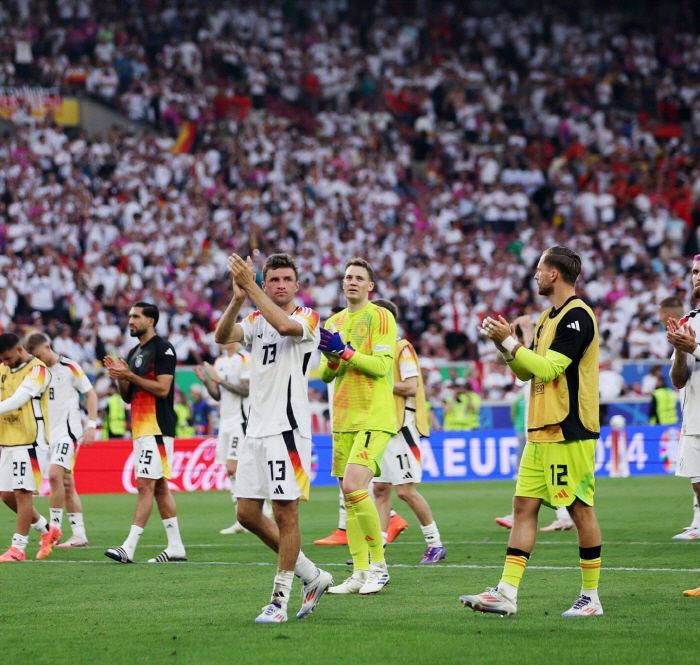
<point>80,607</point>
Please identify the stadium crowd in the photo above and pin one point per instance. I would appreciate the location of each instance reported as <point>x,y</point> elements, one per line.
<point>449,150</point>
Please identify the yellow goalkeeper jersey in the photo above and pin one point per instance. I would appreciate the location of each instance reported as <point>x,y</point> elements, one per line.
<point>363,396</point>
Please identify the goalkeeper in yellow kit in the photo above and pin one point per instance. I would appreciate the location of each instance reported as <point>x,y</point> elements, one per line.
<point>358,348</point>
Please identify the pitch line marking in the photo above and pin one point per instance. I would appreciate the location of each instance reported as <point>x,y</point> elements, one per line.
<point>468,566</point>
<point>504,543</point>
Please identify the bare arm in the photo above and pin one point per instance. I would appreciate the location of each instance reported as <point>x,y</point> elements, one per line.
<point>210,385</point>
<point>407,388</point>
<point>679,370</point>
<point>89,433</point>
<point>227,330</point>
<point>683,340</point>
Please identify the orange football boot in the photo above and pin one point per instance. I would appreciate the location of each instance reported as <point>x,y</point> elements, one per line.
<point>396,525</point>
<point>337,537</point>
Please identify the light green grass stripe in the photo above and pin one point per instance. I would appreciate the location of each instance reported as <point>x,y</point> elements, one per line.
<point>396,565</point>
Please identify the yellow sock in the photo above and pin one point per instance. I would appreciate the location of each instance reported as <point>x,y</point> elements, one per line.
<point>590,567</point>
<point>356,540</point>
<point>368,520</point>
<point>514,567</point>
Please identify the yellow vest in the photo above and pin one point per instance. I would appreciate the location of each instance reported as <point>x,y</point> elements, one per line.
<point>21,426</point>
<point>666,413</point>
<point>400,400</point>
<point>458,415</point>
<point>565,409</point>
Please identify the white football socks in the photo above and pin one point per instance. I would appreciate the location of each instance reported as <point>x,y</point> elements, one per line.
<point>342,514</point>
<point>20,542</point>
<point>696,513</point>
<point>56,517</point>
<point>41,525</point>
<point>77,525</point>
<point>431,535</point>
<point>563,514</point>
<point>305,569</point>
<point>283,588</point>
<point>172,531</point>
<point>132,540</point>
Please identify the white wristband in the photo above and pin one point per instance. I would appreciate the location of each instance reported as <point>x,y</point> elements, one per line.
<point>509,343</point>
<point>696,353</point>
<point>92,424</point>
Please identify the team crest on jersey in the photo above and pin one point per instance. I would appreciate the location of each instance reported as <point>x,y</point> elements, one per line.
<point>139,361</point>
<point>361,331</point>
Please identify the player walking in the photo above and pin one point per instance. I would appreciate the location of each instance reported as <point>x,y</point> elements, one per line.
<point>275,461</point>
<point>146,381</point>
<point>68,382</point>
<point>24,380</point>
<point>557,467</point>
<point>401,464</point>
<point>358,348</point>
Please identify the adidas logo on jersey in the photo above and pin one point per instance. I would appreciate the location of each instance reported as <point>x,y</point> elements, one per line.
<point>574,326</point>
<point>169,352</point>
<point>408,476</point>
<point>362,455</point>
<point>278,490</point>
<point>561,495</point>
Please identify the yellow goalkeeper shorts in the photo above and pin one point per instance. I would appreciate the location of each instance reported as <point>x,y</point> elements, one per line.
<point>558,473</point>
<point>364,448</point>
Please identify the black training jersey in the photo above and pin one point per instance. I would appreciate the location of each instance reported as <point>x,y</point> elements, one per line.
<point>151,415</point>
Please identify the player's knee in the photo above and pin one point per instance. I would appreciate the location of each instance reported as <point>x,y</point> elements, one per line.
<point>524,506</point>
<point>381,490</point>
<point>56,477</point>
<point>7,498</point>
<point>406,492</point>
<point>286,514</point>
<point>248,516</point>
<point>145,487</point>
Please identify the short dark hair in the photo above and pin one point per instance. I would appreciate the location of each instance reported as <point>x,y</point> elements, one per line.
<point>566,261</point>
<point>387,304</point>
<point>35,340</point>
<point>276,261</point>
<point>362,263</point>
<point>672,302</point>
<point>149,310</point>
<point>8,341</point>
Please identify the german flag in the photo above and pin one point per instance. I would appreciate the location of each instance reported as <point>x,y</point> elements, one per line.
<point>185,139</point>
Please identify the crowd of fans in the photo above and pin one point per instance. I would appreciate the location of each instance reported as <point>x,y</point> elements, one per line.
<point>449,148</point>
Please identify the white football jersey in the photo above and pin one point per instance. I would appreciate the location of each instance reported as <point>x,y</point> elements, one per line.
<point>690,395</point>
<point>233,408</point>
<point>279,375</point>
<point>68,382</point>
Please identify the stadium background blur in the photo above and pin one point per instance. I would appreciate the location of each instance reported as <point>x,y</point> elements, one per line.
<point>448,143</point>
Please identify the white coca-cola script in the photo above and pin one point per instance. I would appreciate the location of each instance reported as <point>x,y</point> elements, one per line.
<point>192,470</point>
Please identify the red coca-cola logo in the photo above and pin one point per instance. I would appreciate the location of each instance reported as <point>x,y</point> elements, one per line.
<point>192,470</point>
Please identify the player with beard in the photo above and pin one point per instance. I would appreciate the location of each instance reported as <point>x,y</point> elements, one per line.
<point>146,381</point>
<point>275,459</point>
<point>683,336</point>
<point>558,463</point>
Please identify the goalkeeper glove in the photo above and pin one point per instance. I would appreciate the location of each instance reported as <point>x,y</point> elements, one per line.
<point>331,343</point>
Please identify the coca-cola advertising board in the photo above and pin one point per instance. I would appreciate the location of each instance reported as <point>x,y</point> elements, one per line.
<point>107,467</point>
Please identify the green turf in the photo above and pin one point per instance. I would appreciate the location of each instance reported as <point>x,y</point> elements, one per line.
<point>104,612</point>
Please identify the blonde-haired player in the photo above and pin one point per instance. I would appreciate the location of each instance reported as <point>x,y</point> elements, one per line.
<point>358,347</point>
<point>68,382</point>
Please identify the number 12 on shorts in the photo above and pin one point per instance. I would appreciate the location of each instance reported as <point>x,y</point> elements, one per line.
<point>559,471</point>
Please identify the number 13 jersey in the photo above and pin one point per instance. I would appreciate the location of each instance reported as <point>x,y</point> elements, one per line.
<point>279,375</point>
